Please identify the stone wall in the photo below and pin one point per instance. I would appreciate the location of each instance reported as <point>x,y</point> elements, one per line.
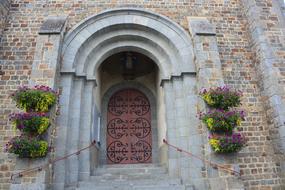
<point>4,11</point>
<point>266,37</point>
<point>258,162</point>
<point>282,6</point>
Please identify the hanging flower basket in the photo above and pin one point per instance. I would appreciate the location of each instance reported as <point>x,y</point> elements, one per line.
<point>36,99</point>
<point>31,123</point>
<point>27,147</point>
<point>221,97</point>
<point>227,144</point>
<point>222,121</point>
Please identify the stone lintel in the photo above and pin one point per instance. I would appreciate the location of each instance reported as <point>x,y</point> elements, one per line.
<point>53,25</point>
<point>200,26</point>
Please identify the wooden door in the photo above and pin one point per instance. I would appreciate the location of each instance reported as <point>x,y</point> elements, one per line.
<point>129,137</point>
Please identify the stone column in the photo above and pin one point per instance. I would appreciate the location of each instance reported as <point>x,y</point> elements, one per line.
<point>209,74</point>
<point>85,130</point>
<point>181,101</point>
<point>66,84</point>
<point>74,128</point>
<point>74,123</point>
<point>194,134</point>
<point>171,131</point>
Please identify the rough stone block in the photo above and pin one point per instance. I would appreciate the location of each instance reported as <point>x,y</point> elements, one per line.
<point>235,184</point>
<point>53,25</point>
<point>200,26</point>
<point>217,183</point>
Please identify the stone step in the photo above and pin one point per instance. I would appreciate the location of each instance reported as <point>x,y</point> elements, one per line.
<point>127,171</point>
<point>147,187</point>
<point>130,176</point>
<point>131,165</point>
<point>154,181</point>
<point>179,187</point>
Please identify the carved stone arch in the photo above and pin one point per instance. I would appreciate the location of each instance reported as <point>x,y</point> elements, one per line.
<point>168,42</point>
<point>84,48</point>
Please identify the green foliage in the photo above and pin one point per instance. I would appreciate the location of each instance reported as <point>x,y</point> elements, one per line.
<point>35,100</point>
<point>27,147</point>
<point>30,123</point>
<point>227,144</point>
<point>222,121</point>
<point>221,97</point>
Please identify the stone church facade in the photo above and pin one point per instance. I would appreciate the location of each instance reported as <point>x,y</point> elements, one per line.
<point>88,51</point>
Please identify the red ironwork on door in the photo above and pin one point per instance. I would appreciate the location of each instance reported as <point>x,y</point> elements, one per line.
<point>129,138</point>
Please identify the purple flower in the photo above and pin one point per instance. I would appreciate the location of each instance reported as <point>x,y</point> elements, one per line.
<point>37,87</point>
<point>44,88</point>
<point>25,116</point>
<point>21,126</point>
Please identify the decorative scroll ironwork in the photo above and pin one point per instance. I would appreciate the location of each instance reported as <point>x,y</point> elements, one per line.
<point>129,128</point>
<point>117,128</point>
<point>140,127</point>
<point>139,105</point>
<point>118,105</point>
<point>117,152</point>
<point>141,151</point>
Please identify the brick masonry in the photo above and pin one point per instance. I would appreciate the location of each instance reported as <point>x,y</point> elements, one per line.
<point>259,163</point>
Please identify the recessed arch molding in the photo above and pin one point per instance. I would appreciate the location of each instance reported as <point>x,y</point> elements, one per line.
<point>127,29</point>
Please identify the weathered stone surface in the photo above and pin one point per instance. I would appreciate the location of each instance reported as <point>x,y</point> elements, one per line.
<point>53,25</point>
<point>4,10</point>
<point>200,26</point>
<point>243,65</point>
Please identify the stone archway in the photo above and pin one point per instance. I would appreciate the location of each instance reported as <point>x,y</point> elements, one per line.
<point>86,46</point>
<point>102,35</point>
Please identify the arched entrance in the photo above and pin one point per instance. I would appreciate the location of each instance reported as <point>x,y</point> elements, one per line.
<point>85,84</point>
<point>129,134</point>
<point>134,75</point>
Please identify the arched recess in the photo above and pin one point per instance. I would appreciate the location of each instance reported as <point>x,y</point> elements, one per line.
<point>154,35</point>
<point>85,47</point>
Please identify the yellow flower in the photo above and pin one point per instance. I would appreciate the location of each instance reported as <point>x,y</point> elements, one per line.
<point>210,122</point>
<point>238,122</point>
<point>43,148</point>
<point>207,97</point>
<point>45,100</point>
<point>41,151</point>
<point>44,125</point>
<point>14,125</point>
<point>215,144</point>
